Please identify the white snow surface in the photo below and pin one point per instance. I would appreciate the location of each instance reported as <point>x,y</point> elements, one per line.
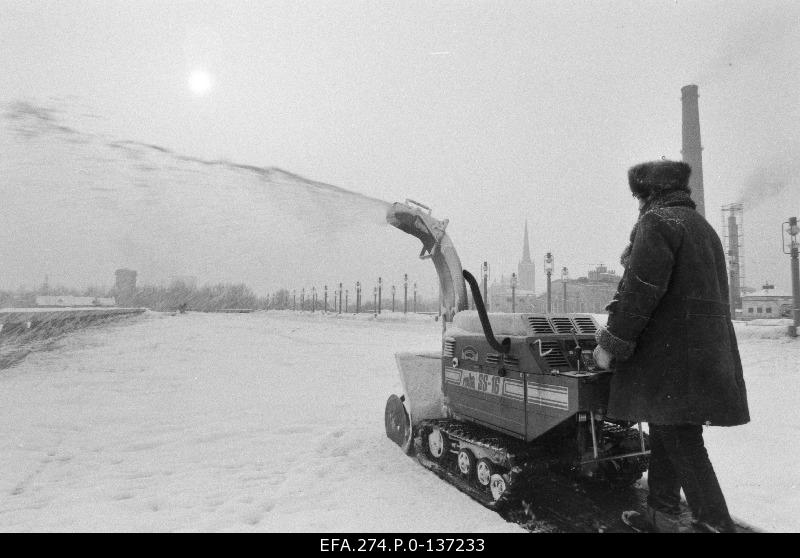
<point>273,421</point>
<point>220,422</point>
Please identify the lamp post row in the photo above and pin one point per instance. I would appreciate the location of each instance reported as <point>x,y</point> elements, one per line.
<point>340,305</point>
<point>343,305</point>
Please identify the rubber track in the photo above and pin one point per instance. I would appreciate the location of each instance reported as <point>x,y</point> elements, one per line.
<point>539,499</point>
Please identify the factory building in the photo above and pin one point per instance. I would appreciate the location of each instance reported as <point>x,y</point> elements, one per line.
<point>766,303</point>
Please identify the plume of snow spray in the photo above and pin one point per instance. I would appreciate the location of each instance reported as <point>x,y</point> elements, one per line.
<point>80,204</point>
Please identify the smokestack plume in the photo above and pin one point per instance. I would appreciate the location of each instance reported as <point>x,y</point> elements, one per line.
<point>691,149</point>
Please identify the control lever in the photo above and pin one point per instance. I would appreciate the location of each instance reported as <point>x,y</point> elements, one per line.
<point>578,351</point>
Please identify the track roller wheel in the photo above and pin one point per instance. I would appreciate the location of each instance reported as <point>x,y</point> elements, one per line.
<point>466,463</point>
<point>438,444</point>
<point>484,471</point>
<point>497,485</point>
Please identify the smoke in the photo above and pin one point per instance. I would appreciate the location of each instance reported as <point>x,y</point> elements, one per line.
<point>754,75</point>
<point>766,183</point>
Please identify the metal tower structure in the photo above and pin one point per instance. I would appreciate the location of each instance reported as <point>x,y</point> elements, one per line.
<point>733,242</point>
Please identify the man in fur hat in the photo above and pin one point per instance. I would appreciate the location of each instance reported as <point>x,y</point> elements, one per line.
<point>670,340</point>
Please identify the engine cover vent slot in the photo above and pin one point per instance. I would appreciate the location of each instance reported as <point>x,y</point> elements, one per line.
<point>562,324</point>
<point>510,362</point>
<point>555,358</point>
<point>539,324</point>
<point>585,324</point>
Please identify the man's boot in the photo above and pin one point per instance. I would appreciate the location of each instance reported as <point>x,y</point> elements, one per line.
<point>653,521</point>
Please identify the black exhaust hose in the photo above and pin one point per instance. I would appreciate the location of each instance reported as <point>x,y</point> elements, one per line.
<point>502,347</point>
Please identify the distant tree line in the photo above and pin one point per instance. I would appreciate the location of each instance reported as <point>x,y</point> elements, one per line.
<point>221,296</point>
<point>208,298</point>
<point>176,297</point>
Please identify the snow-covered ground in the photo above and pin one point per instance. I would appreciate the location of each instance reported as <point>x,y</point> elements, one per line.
<point>219,422</point>
<point>274,422</point>
<point>757,463</point>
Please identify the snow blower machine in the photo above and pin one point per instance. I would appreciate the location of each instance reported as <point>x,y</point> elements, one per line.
<point>512,398</point>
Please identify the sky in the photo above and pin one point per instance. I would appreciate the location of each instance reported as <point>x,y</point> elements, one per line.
<point>490,113</point>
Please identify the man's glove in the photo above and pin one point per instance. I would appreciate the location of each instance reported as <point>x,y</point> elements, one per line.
<point>602,358</point>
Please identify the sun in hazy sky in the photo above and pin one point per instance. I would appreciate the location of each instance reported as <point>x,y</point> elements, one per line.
<point>200,82</point>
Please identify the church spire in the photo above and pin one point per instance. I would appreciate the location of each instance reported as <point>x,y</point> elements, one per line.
<point>526,270</point>
<point>526,249</point>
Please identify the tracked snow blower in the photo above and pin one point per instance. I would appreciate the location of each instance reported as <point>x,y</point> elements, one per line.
<point>511,398</point>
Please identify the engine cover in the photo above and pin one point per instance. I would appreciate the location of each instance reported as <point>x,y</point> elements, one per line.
<point>547,377</point>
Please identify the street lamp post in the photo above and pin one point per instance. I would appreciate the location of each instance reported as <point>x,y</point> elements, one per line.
<point>548,268</point>
<point>346,300</point>
<point>340,298</point>
<point>405,293</point>
<point>564,276</point>
<point>358,297</point>
<point>393,291</point>
<point>326,299</point>
<point>513,292</point>
<point>380,287</point>
<point>375,300</point>
<point>791,229</point>
<point>485,284</point>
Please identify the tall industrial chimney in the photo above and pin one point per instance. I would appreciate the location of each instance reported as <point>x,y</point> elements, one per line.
<point>733,265</point>
<point>691,149</point>
<point>733,240</point>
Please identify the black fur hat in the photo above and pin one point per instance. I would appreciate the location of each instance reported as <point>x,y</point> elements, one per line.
<point>655,177</point>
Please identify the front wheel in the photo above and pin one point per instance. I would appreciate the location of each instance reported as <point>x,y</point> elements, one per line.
<point>398,423</point>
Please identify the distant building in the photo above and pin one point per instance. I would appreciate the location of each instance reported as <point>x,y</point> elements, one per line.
<point>500,292</point>
<point>71,301</point>
<point>766,303</point>
<point>590,294</point>
<point>602,274</point>
<point>500,298</point>
<point>125,280</point>
<point>125,286</point>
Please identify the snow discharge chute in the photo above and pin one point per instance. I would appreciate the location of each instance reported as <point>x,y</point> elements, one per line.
<point>415,219</point>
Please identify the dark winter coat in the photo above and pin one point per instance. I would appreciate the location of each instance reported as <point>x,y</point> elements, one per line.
<point>669,326</point>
